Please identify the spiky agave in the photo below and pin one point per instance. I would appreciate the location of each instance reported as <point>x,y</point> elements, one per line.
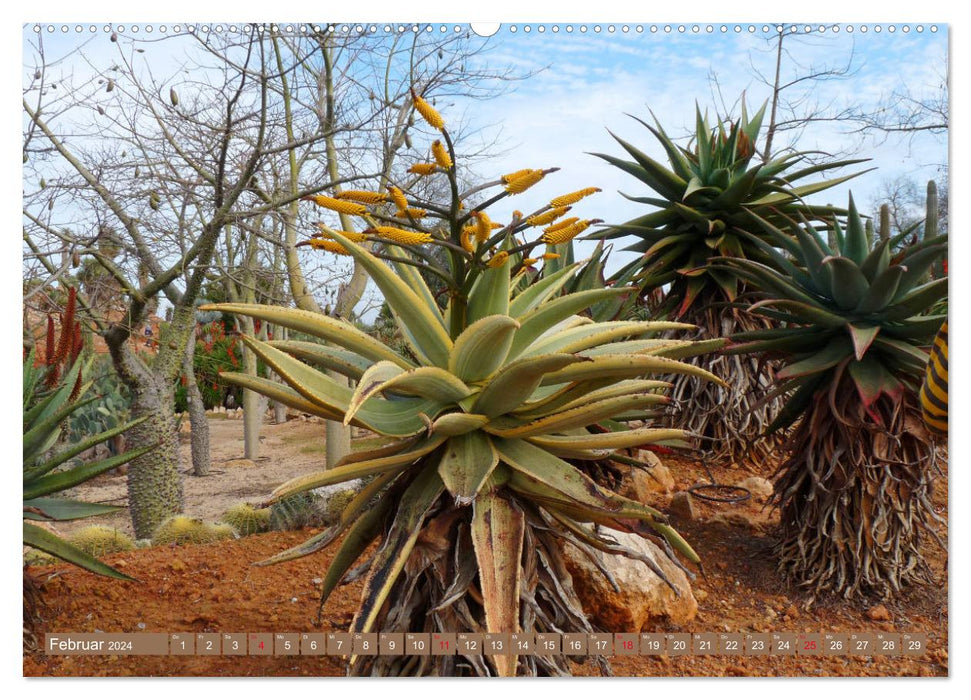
<point>499,394</point>
<point>854,492</point>
<point>706,198</point>
<point>53,389</point>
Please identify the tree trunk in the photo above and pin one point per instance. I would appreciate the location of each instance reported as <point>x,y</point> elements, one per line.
<point>154,479</point>
<point>279,409</point>
<point>199,440</point>
<point>252,409</point>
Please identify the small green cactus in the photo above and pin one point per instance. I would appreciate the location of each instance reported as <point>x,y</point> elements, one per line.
<point>181,529</point>
<point>294,512</point>
<point>35,557</point>
<point>336,504</point>
<point>98,540</point>
<point>246,519</point>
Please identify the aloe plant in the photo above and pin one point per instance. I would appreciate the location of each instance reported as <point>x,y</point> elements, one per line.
<point>53,390</point>
<point>706,201</point>
<point>854,493</point>
<point>502,392</point>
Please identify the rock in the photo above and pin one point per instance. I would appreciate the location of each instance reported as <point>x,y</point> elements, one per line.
<point>240,463</point>
<point>878,613</point>
<point>735,519</point>
<point>643,596</point>
<point>761,489</point>
<point>681,506</point>
<point>701,595</point>
<point>647,482</point>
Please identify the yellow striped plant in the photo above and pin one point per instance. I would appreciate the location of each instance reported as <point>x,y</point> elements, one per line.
<point>502,396</point>
<point>853,322</point>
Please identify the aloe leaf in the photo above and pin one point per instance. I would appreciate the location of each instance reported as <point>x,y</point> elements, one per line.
<point>608,441</point>
<point>514,383</point>
<point>837,350</point>
<point>580,417</point>
<point>430,337</point>
<point>59,481</point>
<point>625,367</point>
<point>41,539</point>
<point>349,517</point>
<point>355,470</point>
<point>539,321</point>
<point>881,291</point>
<point>540,291</point>
<point>467,462</point>
<point>849,285</point>
<point>77,448</point>
<point>372,381</point>
<point>339,360</point>
<point>318,325</point>
<point>490,293</point>
<point>862,337</point>
<point>482,347</point>
<point>61,509</point>
<point>390,559</point>
<point>498,530</point>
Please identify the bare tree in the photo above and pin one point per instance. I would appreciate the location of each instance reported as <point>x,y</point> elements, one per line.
<point>170,163</point>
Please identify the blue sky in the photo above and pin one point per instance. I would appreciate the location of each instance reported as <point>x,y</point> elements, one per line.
<point>589,80</point>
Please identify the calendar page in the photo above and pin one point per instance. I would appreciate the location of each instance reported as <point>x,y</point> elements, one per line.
<point>485,350</point>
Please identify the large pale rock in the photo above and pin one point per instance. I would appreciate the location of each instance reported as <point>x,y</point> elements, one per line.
<point>643,596</point>
<point>761,489</point>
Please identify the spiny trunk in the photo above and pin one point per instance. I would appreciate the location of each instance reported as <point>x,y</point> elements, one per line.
<point>199,440</point>
<point>154,479</point>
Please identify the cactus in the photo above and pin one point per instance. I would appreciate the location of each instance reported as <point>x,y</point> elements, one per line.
<point>884,222</point>
<point>181,529</point>
<point>294,512</point>
<point>246,519</point>
<point>335,505</point>
<point>99,540</point>
<point>36,557</point>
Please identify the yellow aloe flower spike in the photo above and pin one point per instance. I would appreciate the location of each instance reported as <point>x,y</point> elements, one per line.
<point>468,238</point>
<point>547,217</point>
<point>441,155</point>
<point>363,196</point>
<point>423,168</point>
<point>568,233</point>
<point>524,182</point>
<point>339,205</point>
<point>400,235</point>
<point>353,235</point>
<point>329,246</point>
<point>483,225</point>
<point>529,261</point>
<point>498,259</point>
<point>573,197</point>
<point>414,213</point>
<point>509,177</point>
<point>428,113</point>
<point>398,197</point>
<point>550,256</point>
<point>561,224</point>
